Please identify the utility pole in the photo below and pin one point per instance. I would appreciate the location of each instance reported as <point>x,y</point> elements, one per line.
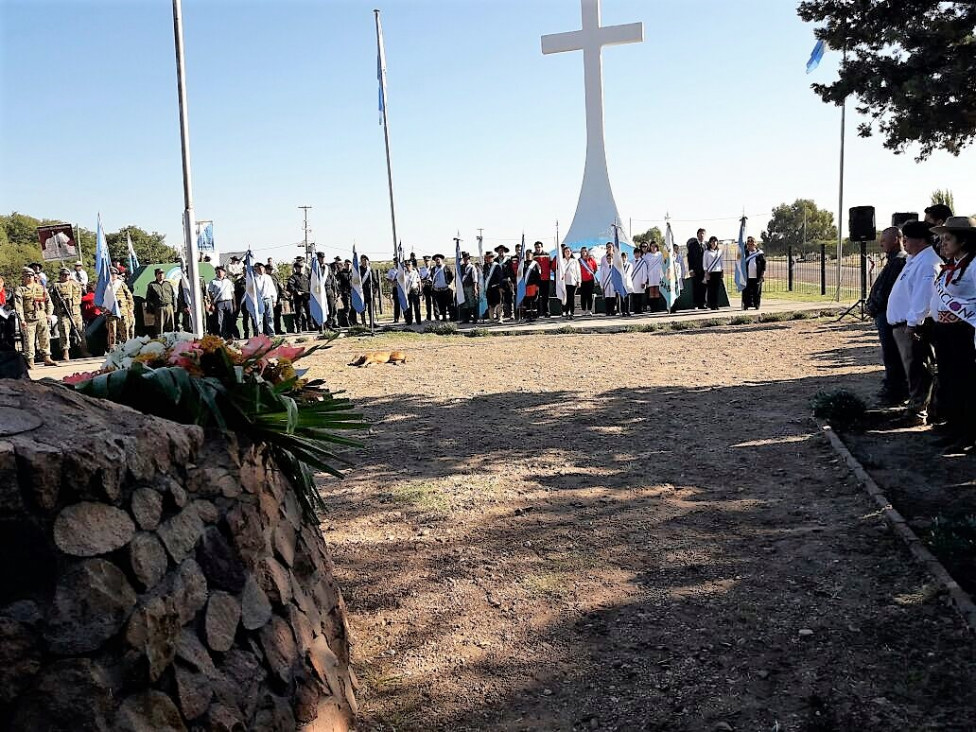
<point>308,252</point>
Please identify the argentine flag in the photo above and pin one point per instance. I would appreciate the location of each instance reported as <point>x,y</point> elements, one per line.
<point>482,295</point>
<point>185,289</point>
<point>253,303</point>
<point>560,277</point>
<point>816,56</point>
<point>619,276</point>
<point>104,292</point>
<point>356,280</point>
<point>458,279</point>
<point>133,259</point>
<point>380,70</point>
<point>401,280</point>
<point>670,269</point>
<point>318,305</point>
<point>741,276</point>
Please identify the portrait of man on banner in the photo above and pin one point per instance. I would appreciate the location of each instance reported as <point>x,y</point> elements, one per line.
<point>57,242</point>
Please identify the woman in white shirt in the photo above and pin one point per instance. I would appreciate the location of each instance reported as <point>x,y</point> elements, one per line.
<point>654,272</point>
<point>712,267</point>
<point>572,276</point>
<point>953,310</point>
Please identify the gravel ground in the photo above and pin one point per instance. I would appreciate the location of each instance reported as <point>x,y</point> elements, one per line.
<point>640,531</point>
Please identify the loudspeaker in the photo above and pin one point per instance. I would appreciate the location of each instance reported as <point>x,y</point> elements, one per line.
<point>897,219</point>
<point>861,224</point>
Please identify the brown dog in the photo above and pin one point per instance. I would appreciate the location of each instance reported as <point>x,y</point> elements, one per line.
<point>371,357</point>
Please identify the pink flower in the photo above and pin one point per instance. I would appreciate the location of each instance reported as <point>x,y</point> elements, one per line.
<point>290,353</point>
<point>254,346</point>
<point>80,377</point>
<point>183,353</point>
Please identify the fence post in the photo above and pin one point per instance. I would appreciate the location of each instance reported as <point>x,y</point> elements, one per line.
<point>789,268</point>
<point>823,269</point>
<point>864,270</point>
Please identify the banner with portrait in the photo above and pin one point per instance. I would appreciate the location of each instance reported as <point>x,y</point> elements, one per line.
<point>57,242</point>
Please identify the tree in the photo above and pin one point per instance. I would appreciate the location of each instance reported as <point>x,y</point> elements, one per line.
<point>149,248</point>
<point>786,228</point>
<point>911,65</point>
<point>943,197</point>
<point>652,234</point>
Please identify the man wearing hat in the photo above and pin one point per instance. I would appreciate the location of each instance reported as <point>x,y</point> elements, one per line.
<point>235,269</point>
<point>506,264</point>
<point>909,315</point>
<point>426,287</point>
<point>34,310</point>
<point>265,291</point>
<point>469,281</point>
<point>221,295</point>
<point>116,326</point>
<point>441,278</point>
<point>161,302</point>
<point>300,290</point>
<point>493,278</point>
<point>66,297</point>
<point>80,275</point>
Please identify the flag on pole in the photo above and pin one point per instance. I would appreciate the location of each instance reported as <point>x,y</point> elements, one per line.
<point>401,280</point>
<point>816,56</point>
<point>741,277</point>
<point>670,268</point>
<point>560,277</point>
<point>380,67</point>
<point>205,241</point>
<point>619,276</point>
<point>185,289</point>
<point>458,276</point>
<point>252,303</point>
<point>482,295</point>
<point>356,280</point>
<point>133,259</point>
<point>318,305</point>
<point>104,292</point>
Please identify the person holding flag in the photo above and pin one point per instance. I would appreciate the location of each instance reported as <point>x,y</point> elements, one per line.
<point>713,268</point>
<point>318,304</point>
<point>361,289</point>
<point>441,278</point>
<point>470,287</point>
<point>568,278</point>
<point>672,269</point>
<point>588,277</point>
<point>412,285</point>
<point>754,265</point>
<point>253,302</point>
<point>620,282</point>
<point>494,279</point>
<point>527,292</point>
<point>133,259</point>
<point>653,275</point>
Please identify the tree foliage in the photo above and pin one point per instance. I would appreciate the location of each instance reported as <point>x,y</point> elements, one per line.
<point>652,234</point>
<point>943,197</point>
<point>786,228</point>
<point>911,65</point>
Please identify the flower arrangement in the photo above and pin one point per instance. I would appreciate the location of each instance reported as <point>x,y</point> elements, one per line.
<point>252,389</point>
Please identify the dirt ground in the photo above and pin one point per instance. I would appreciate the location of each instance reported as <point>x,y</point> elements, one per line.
<point>639,531</point>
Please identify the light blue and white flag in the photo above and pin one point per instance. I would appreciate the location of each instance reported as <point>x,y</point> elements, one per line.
<point>185,290</point>
<point>252,303</point>
<point>670,269</point>
<point>356,280</point>
<point>458,275</point>
<point>133,259</point>
<point>380,67</point>
<point>318,305</point>
<point>401,280</point>
<point>816,56</point>
<point>205,241</point>
<point>104,291</point>
<point>741,276</point>
<point>482,294</point>
<point>619,276</point>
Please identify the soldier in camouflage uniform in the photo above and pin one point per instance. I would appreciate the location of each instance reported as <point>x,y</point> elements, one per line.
<point>34,309</point>
<point>117,327</point>
<point>66,296</point>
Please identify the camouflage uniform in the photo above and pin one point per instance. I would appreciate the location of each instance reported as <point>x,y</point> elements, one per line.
<point>34,309</point>
<point>118,326</point>
<point>66,299</point>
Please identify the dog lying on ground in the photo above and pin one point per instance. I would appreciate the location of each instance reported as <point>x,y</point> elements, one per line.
<point>371,357</point>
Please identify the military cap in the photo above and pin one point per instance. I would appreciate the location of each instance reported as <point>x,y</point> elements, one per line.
<point>114,270</point>
<point>159,270</point>
<point>27,271</point>
<point>64,270</point>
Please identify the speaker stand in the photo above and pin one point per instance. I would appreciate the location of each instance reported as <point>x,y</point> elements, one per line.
<point>859,305</point>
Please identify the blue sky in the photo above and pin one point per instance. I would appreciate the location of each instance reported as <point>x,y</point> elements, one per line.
<point>711,115</point>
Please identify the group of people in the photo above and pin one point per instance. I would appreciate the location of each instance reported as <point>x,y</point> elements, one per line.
<point>924,306</point>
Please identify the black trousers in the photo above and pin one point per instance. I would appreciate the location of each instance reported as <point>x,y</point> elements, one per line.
<point>413,308</point>
<point>625,304</point>
<point>330,319</point>
<point>530,305</point>
<point>610,305</point>
<point>752,294</point>
<point>586,295</point>
<point>396,304</point>
<point>711,290</point>
<point>698,291</point>
<point>544,298</point>
<point>223,319</point>
<point>508,300</point>
<point>303,316</point>
<point>428,299</point>
<point>955,354</point>
<point>570,308</point>
<point>277,318</point>
<point>442,304</point>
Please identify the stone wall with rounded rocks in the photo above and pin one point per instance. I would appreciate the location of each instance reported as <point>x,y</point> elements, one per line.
<point>153,578</point>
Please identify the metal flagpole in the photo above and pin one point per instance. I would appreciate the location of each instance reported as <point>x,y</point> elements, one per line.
<point>381,78</point>
<point>840,204</point>
<point>192,265</point>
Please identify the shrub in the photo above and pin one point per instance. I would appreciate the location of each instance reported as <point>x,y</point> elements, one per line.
<point>442,328</point>
<point>843,409</point>
<point>477,333</point>
<point>803,314</point>
<point>953,540</point>
<point>742,319</point>
<point>773,317</point>
<point>683,324</point>
<point>357,330</point>
<point>564,329</point>
<point>711,323</point>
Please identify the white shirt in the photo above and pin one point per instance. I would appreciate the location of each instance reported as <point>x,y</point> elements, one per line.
<point>639,272</point>
<point>220,290</point>
<point>712,260</point>
<point>961,293</point>
<point>606,281</point>
<point>391,275</point>
<point>572,275</point>
<point>911,295</point>
<point>81,276</point>
<point>655,268</point>
<point>440,281</point>
<point>752,272</point>
<point>411,279</point>
<point>265,289</point>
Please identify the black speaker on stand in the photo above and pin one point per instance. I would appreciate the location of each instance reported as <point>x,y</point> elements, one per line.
<point>897,219</point>
<point>862,228</point>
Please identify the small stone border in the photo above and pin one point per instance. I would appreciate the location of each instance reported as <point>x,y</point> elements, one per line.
<point>962,601</point>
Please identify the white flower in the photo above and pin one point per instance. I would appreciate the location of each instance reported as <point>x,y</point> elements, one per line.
<point>133,346</point>
<point>126,362</point>
<point>182,336</point>
<point>153,348</point>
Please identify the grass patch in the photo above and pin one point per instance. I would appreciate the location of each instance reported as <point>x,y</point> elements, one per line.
<point>712,323</point>
<point>478,333</point>
<point>843,409</point>
<point>804,314</point>
<point>447,328</point>
<point>774,317</point>
<point>683,325</point>
<point>357,330</point>
<point>425,497</point>
<point>743,320</point>
<point>564,330</point>
<point>547,584</point>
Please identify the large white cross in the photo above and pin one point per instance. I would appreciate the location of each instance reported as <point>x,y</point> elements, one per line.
<point>596,207</point>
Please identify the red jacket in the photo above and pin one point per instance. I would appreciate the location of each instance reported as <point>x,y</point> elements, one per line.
<point>585,275</point>
<point>545,266</point>
<point>89,310</point>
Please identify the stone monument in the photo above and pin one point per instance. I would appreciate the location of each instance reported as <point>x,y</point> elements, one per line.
<point>596,209</point>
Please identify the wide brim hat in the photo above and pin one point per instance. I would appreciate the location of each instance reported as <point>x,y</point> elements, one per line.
<point>502,248</point>
<point>439,256</point>
<point>956,223</point>
<point>79,264</point>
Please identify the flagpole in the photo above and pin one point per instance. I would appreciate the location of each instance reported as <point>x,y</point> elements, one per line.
<point>840,204</point>
<point>193,267</point>
<point>381,72</point>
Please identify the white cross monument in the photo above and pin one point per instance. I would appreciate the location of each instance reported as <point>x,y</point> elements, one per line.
<point>596,209</point>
